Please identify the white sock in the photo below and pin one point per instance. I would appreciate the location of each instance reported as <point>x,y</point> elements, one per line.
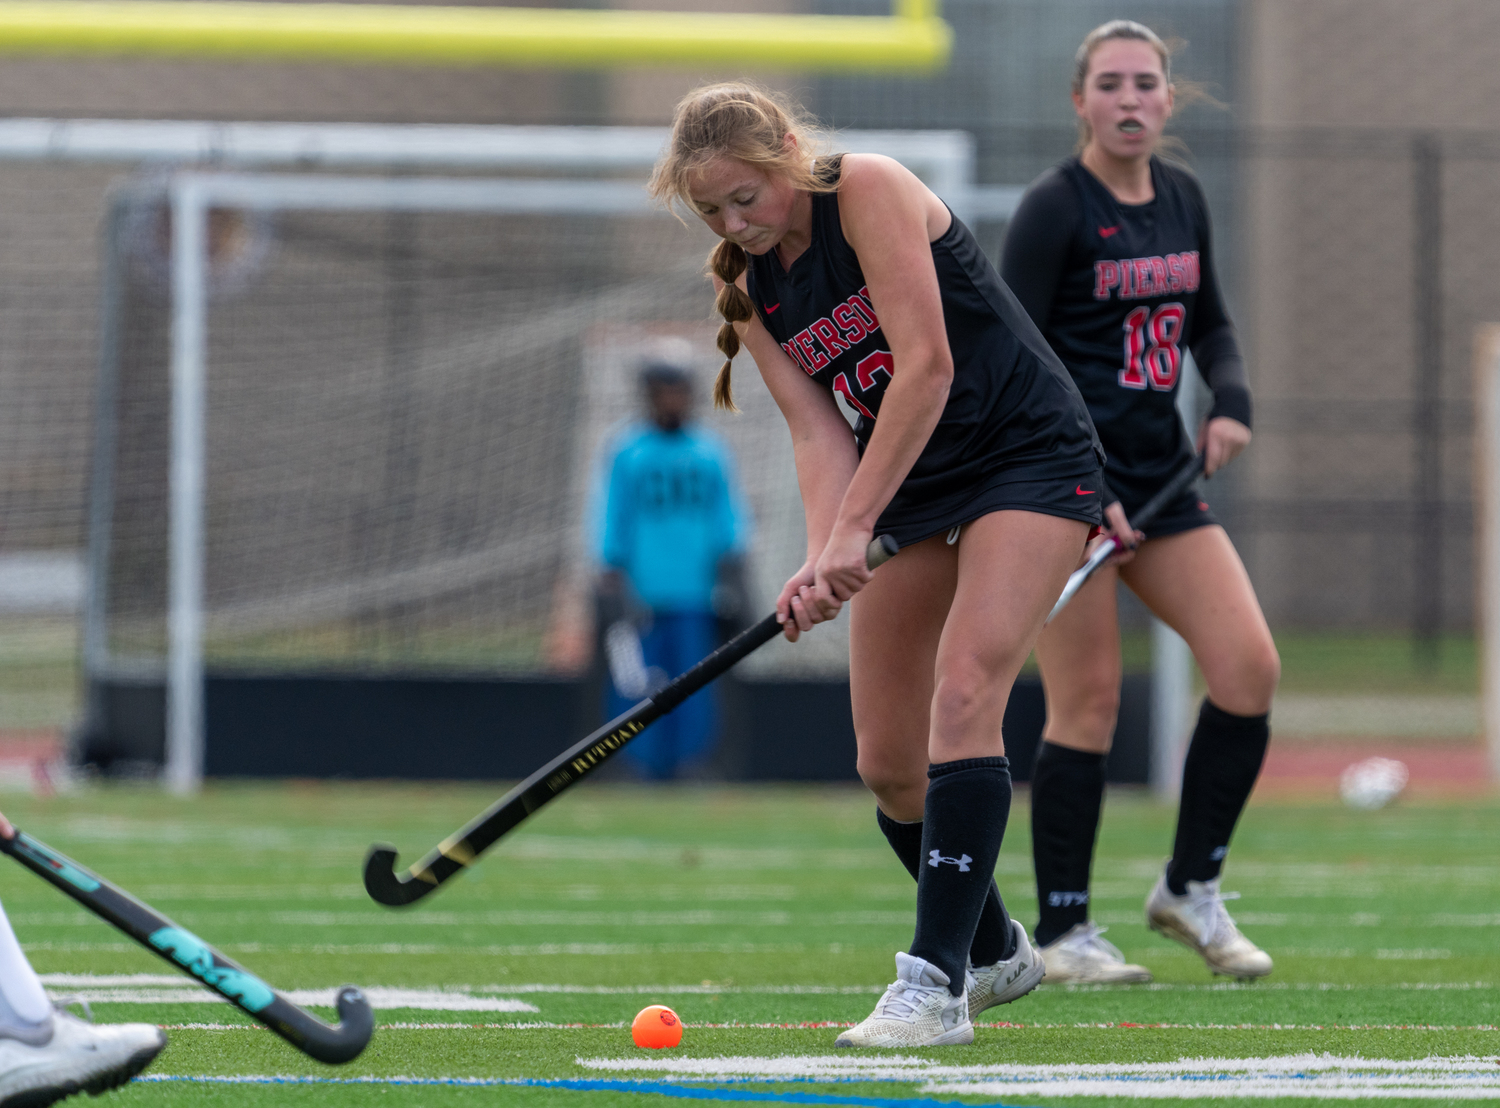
<point>22,998</point>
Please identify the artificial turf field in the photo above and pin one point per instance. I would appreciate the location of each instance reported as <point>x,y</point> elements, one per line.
<point>765,917</point>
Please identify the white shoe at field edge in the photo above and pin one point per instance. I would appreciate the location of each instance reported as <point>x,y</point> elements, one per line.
<point>1080,957</point>
<point>1199,921</point>
<point>1008,980</point>
<point>79,1057</point>
<point>917,1010</point>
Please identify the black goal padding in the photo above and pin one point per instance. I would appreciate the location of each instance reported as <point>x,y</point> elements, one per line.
<point>426,728</point>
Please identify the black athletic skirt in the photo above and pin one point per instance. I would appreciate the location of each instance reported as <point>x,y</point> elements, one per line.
<point>1188,511</point>
<point>1019,489</point>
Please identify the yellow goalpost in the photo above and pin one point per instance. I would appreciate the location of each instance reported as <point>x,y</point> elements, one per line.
<point>912,39</point>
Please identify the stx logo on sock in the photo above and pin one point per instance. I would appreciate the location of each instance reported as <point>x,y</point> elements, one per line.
<point>935,858</point>
<point>1218,854</point>
<point>1067,900</point>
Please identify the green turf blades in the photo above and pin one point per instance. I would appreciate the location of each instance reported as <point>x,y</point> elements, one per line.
<point>187,952</point>
<point>629,895</point>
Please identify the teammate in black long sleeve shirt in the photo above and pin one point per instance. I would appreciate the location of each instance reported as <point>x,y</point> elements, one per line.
<point>1111,255</point>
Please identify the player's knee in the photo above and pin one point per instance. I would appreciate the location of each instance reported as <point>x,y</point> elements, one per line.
<point>961,703</point>
<point>901,788</point>
<point>1264,671</point>
<point>1247,684</point>
<point>1085,718</point>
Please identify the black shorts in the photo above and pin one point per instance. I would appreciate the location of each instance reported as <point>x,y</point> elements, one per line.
<point>1188,511</point>
<point>1075,497</point>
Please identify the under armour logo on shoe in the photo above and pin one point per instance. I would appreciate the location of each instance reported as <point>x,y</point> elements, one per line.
<point>935,858</point>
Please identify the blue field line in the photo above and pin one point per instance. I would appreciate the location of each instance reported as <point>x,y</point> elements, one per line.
<point>585,1084</point>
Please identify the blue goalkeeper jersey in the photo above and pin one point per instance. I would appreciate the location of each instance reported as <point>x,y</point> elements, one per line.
<point>669,510</point>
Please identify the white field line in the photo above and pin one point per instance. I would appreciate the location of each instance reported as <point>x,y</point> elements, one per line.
<point>105,980</point>
<point>911,1067</point>
<point>518,950</point>
<point>1319,1076</point>
<point>380,997</point>
<point>709,917</point>
<point>141,980</point>
<point>805,1025</point>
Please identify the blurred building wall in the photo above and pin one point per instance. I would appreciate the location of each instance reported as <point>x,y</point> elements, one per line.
<point>1369,185</point>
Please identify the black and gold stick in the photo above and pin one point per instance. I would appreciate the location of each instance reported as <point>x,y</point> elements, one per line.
<point>474,838</point>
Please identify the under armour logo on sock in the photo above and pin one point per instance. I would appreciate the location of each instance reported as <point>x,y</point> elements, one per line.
<point>935,858</point>
<point>1218,854</point>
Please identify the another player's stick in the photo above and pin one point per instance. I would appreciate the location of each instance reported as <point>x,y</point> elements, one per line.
<point>627,660</point>
<point>1112,545</point>
<point>193,956</point>
<point>474,838</point>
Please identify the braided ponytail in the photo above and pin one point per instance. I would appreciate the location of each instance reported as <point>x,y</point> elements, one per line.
<point>727,262</point>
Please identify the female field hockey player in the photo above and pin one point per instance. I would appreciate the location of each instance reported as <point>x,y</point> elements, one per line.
<point>970,446</point>
<point>1111,254</point>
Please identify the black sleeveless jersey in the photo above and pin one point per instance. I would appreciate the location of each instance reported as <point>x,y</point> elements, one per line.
<point>1013,414</point>
<point>1120,292</point>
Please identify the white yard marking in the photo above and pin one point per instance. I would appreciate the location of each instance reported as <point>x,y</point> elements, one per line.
<point>150,988</point>
<point>1317,1076</point>
<point>707,988</point>
<point>818,1025</point>
<point>515,950</point>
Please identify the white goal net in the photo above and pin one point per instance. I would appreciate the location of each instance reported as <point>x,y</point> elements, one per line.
<point>348,424</point>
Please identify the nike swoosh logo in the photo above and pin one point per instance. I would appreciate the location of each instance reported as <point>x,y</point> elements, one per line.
<point>1105,232</point>
<point>772,307</point>
<point>1085,492</point>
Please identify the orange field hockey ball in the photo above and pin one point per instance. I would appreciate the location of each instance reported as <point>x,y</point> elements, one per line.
<point>656,1027</point>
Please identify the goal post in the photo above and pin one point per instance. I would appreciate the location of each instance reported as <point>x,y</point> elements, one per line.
<point>1487,527</point>
<point>190,203</point>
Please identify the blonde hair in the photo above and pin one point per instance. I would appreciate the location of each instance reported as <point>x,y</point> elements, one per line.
<point>1187,92</point>
<point>750,124</point>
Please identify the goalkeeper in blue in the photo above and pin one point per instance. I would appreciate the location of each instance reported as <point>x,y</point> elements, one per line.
<point>672,530</point>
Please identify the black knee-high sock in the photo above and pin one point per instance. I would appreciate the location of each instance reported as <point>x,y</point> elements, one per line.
<point>1222,763</point>
<point>1067,790</point>
<point>994,939</point>
<point>968,803</point>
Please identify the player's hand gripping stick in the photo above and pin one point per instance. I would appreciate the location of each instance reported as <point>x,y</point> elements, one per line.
<point>196,958</point>
<point>1112,545</point>
<point>469,842</point>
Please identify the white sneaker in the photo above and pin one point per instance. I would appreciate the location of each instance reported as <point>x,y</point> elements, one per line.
<point>1005,981</point>
<point>1080,956</point>
<point>78,1057</point>
<point>1199,920</point>
<point>917,1010</point>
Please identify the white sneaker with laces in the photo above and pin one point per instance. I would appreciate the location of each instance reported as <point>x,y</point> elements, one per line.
<point>1199,920</point>
<point>1080,956</point>
<point>1008,980</point>
<point>917,1010</point>
<point>77,1057</point>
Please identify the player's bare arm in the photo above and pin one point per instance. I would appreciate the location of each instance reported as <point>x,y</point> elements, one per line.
<point>826,459</point>
<point>890,219</point>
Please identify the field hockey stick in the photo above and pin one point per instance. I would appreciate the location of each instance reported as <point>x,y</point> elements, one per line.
<point>1112,545</point>
<point>195,957</point>
<point>466,844</point>
<point>626,659</point>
